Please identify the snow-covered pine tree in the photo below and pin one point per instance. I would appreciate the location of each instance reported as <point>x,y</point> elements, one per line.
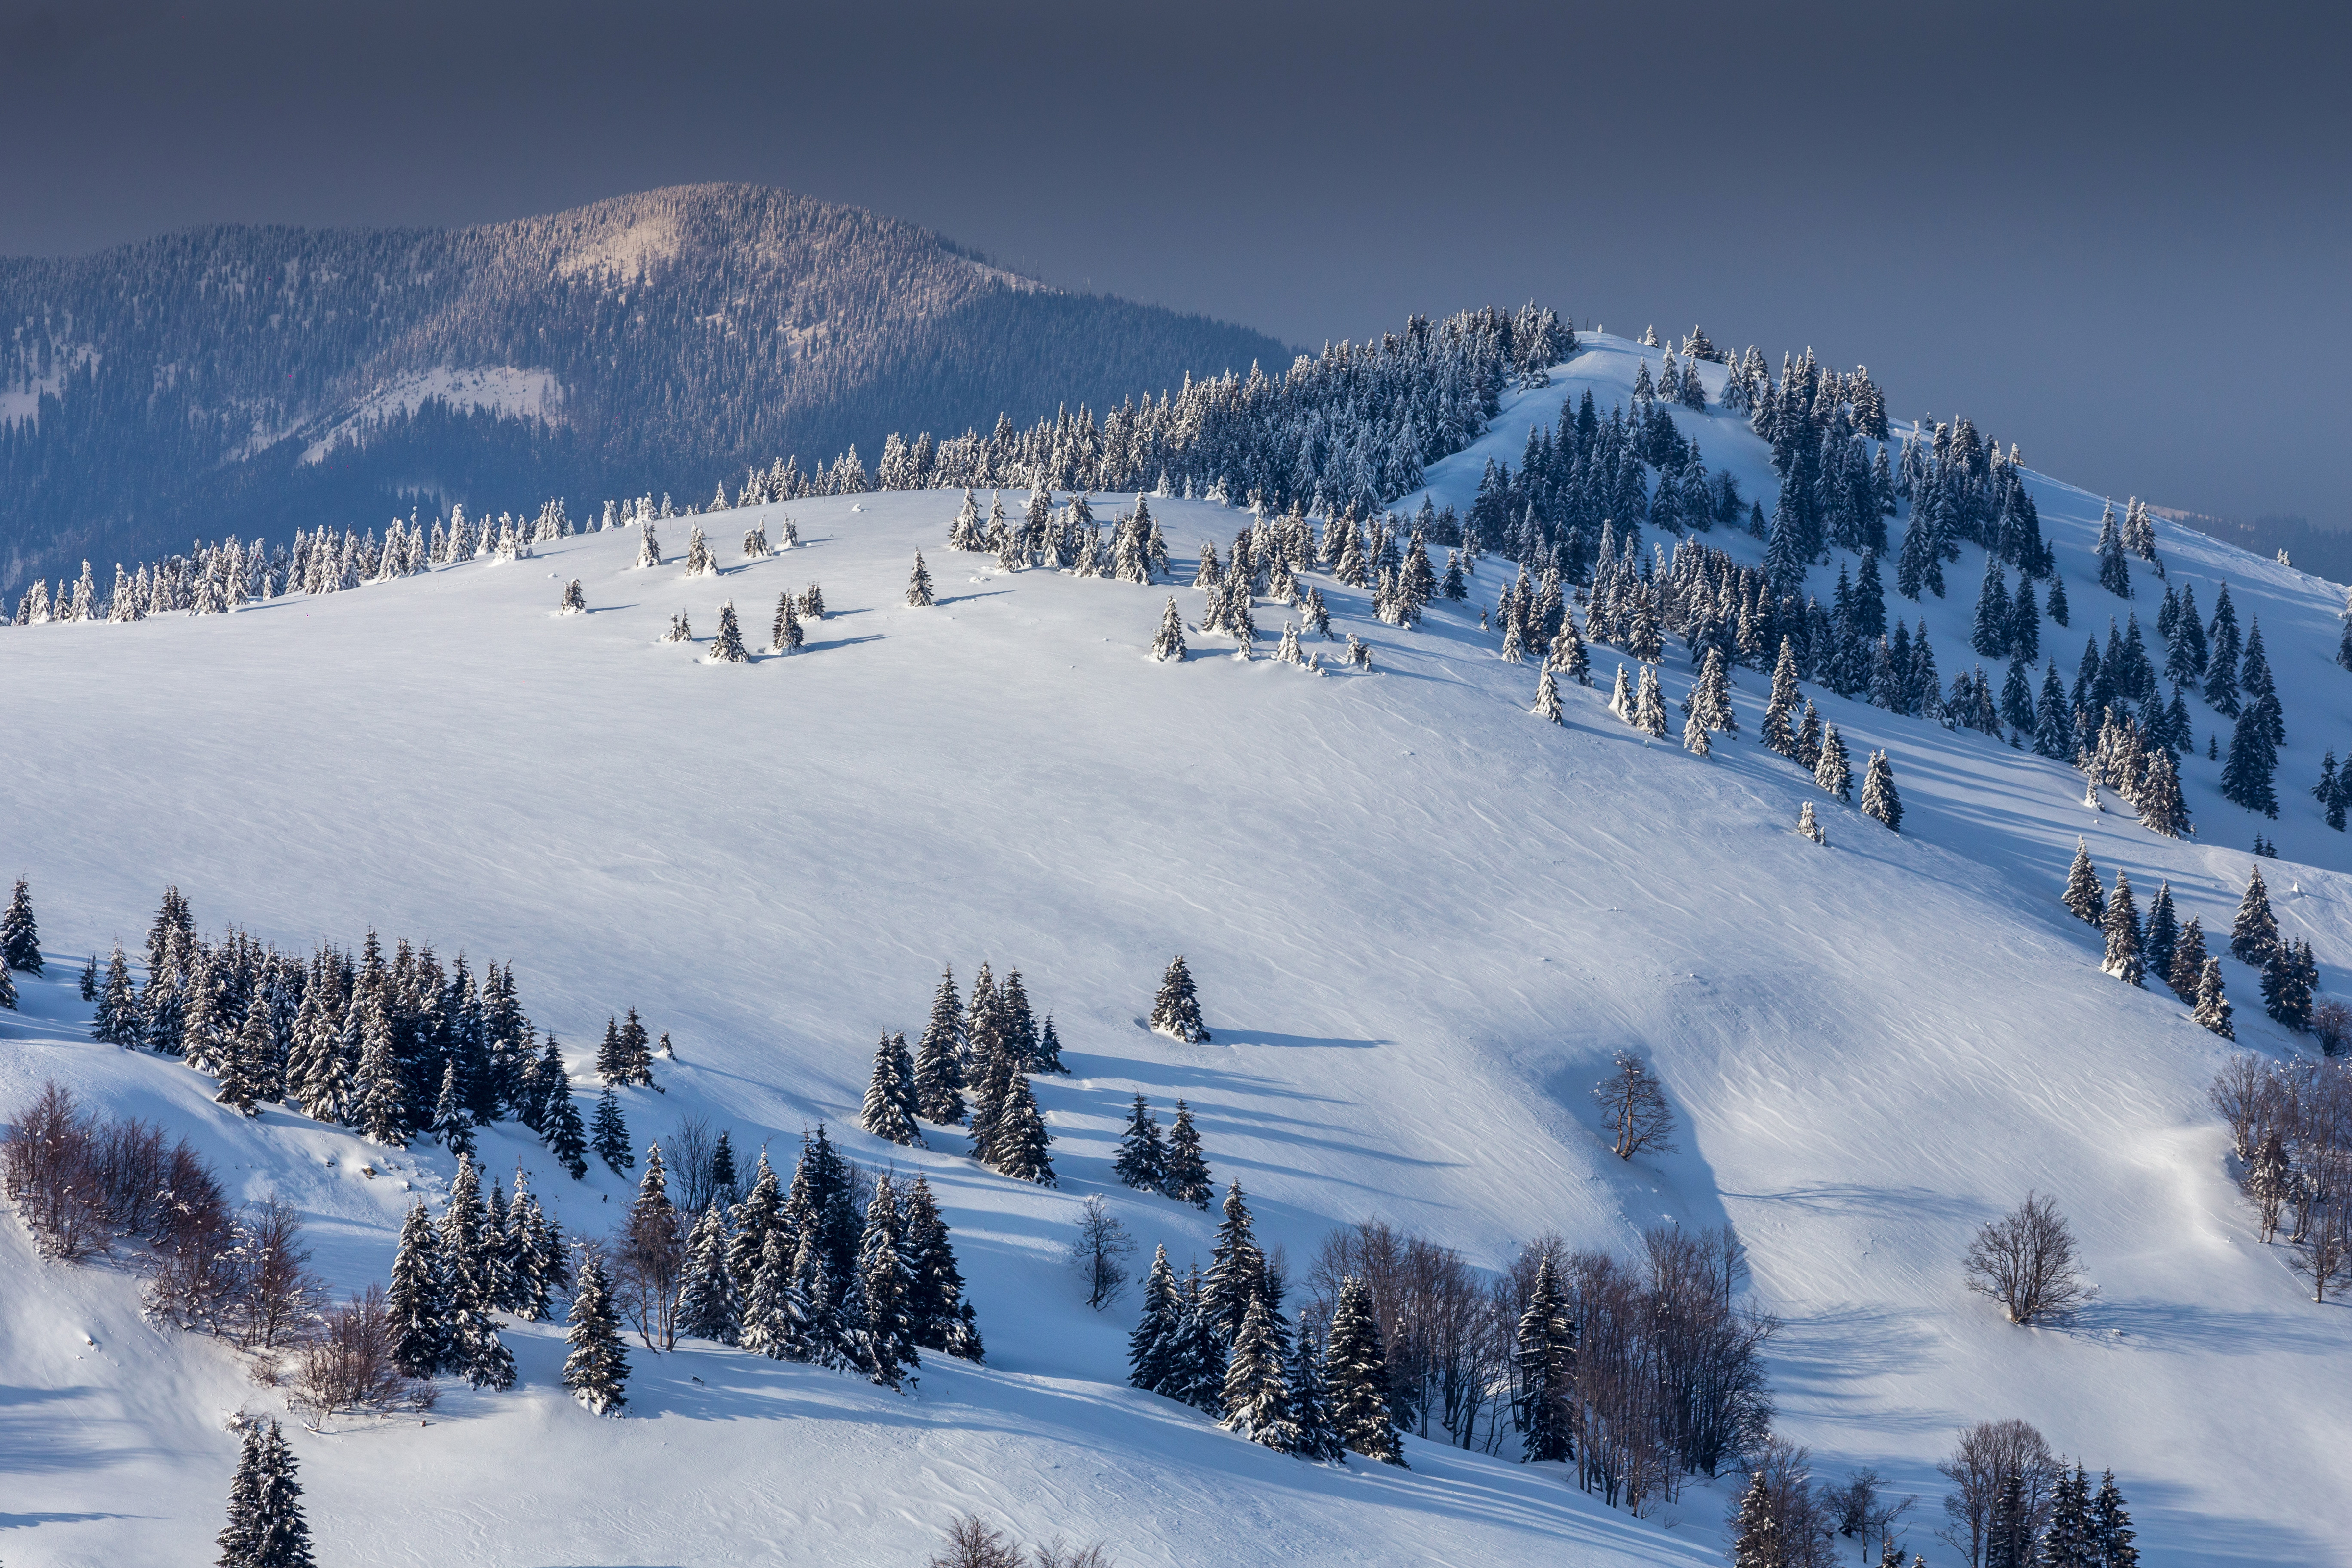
<point>1755,1533</point>
<point>2163,933</point>
<point>1257,1386</point>
<point>1650,706</point>
<point>245,1076</point>
<point>381,1109</point>
<point>648,547</point>
<point>1047,1057</point>
<point>1176,1010</point>
<point>888,1091</point>
<point>20,933</point>
<point>1809,826</point>
<point>940,1318</point>
<point>1545,1350</point>
<point>1021,1147</point>
<point>2066,1537</point>
<point>567,1139</point>
<point>1354,1372</point>
<point>266,1528</point>
<point>417,1304</point>
<point>938,1072</point>
<point>2286,993</point>
<point>2188,961</point>
<point>475,1352</point>
<point>1310,1405</point>
<point>1546,697</point>
<point>116,1022</point>
<point>759,1214</point>
<point>1188,1180</point>
<point>771,1315</point>
<point>1778,734</point>
<point>2111,1531</point>
<point>2252,762</point>
<point>786,636</point>
<point>919,585</point>
<point>453,1125</point>
<point>727,648</point>
<point>1169,642</point>
<point>1832,772</point>
<point>597,1363</point>
<point>1620,696</point>
<point>574,601</point>
<point>1151,1348</point>
<point>2212,1010</point>
<point>2255,935</point>
<point>1142,1156</point>
<point>707,1306</point>
<point>2082,896</point>
<point>535,1247</point>
<point>2120,924</point>
<point>2163,809</point>
<point>1880,799</point>
<point>611,1137</point>
<point>1236,1267</point>
<point>1710,698</point>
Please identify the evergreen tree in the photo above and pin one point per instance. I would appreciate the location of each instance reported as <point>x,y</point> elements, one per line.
<point>2057,605</point>
<point>245,1076</point>
<point>1710,703</point>
<point>2082,896</point>
<point>1544,1351</point>
<point>1196,1367</point>
<point>1168,643</point>
<point>536,1247</point>
<point>2163,933</point>
<point>2111,1531</point>
<point>1832,772</point>
<point>2115,572</point>
<point>1879,798</point>
<point>919,585</point>
<point>756,1218</point>
<point>2121,925</point>
<point>786,634</point>
<point>1777,734</point>
<point>2008,1535</point>
<point>2212,1009</point>
<point>938,1071</point>
<point>1048,1057</point>
<point>610,1142</point>
<point>1546,697</point>
<point>418,1303</point>
<point>2252,762</point>
<point>2255,935</point>
<point>2254,680</point>
<point>265,1527</point>
<point>1176,1011</point>
<point>2162,807</point>
<point>2287,986</point>
<point>2188,961</point>
<point>1142,1157</point>
<point>474,1350</point>
<point>890,1093</point>
<point>597,1364</point>
<point>381,1113</point>
<point>1310,1405</point>
<point>1188,1168</point>
<point>2222,649</point>
<point>567,1140</point>
<point>1257,1388</point>
<point>1649,714</point>
<point>1151,1348</point>
<point>1019,1147</point>
<point>772,1314</point>
<point>117,1019</point>
<point>727,648</point>
<point>20,933</point>
<point>706,1296</point>
<point>1991,634</point>
<point>1756,1540</point>
<point>452,1122</point>
<point>940,1319</point>
<point>2067,1540</point>
<point>887,1285</point>
<point>1236,1268</point>
<point>1355,1371</point>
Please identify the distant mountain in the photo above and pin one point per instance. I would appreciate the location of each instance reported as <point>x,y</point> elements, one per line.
<point>250,379</point>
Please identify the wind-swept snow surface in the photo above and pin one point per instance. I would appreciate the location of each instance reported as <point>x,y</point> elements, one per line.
<point>1420,921</point>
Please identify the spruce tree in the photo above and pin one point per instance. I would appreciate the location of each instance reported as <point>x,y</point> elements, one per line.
<point>2255,935</point>
<point>2162,807</point>
<point>772,1315</point>
<point>759,1215</point>
<point>1880,798</point>
<point>1777,732</point>
<point>20,933</point>
<point>727,648</point>
<point>1196,1373</point>
<point>1151,1348</point>
<point>1256,1386</point>
<point>475,1352</point>
<point>452,1122</point>
<point>1176,1011</point>
<point>887,1094</point>
<point>1168,643</point>
<point>2252,762</point>
<point>706,1296</point>
<point>597,1363</point>
<point>1834,773</point>
<point>938,1072</point>
<point>919,585</point>
<point>611,1139</point>
<point>1355,1371</point>
<point>1019,1146</point>
<point>2286,995</point>
<point>2212,1009</point>
<point>418,1303</point>
<point>786,636</point>
<point>567,1140</point>
<point>1546,697</point>
<point>244,1075</point>
<point>1544,1351</point>
<point>2163,933</point>
<point>1649,714</point>
<point>1188,1180</point>
<point>265,1527</point>
<point>1310,1405</point>
<point>1142,1157</point>
<point>2121,925</point>
<point>2082,896</point>
<point>887,1286</point>
<point>1048,1056</point>
<point>117,1019</point>
<point>1236,1267</point>
<point>2188,961</point>
<point>2111,1531</point>
<point>381,1113</point>
<point>937,1312</point>
<point>1755,1539</point>
<point>2067,1540</point>
<point>536,1247</point>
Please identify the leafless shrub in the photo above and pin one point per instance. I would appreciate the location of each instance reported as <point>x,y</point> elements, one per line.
<point>648,1258</point>
<point>688,1152</point>
<point>971,1543</point>
<point>1059,1554</point>
<point>349,1366</point>
<point>49,1169</point>
<point>1634,1108</point>
<point>2025,1260</point>
<point>1861,1510</point>
<point>2323,1242</point>
<point>1987,1457</point>
<point>2331,1020</point>
<point>1099,1253</point>
<point>276,1297</point>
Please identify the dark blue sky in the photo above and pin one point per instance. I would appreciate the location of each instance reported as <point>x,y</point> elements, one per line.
<point>2116,235</point>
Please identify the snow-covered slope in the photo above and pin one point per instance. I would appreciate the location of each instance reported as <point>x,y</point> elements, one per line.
<point>1421,920</point>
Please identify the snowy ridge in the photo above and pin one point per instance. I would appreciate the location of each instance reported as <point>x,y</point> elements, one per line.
<point>498,389</point>
<point>1420,921</point>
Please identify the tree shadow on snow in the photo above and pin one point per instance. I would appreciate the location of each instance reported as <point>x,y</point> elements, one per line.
<point>2184,1326</point>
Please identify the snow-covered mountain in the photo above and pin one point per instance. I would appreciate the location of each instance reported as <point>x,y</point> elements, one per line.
<point>1421,920</point>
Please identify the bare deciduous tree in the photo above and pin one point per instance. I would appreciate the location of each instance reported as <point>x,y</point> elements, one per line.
<point>275,1296</point>
<point>1804,1521</point>
<point>1099,1253</point>
<point>1634,1108</point>
<point>973,1543</point>
<point>689,1151</point>
<point>1987,1457</point>
<point>2322,1254</point>
<point>2025,1260</point>
<point>349,1366</point>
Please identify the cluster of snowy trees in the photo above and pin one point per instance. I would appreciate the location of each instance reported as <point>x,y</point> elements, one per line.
<point>2291,1131</point>
<point>396,1049</point>
<point>2175,952</point>
<point>1170,1164</point>
<point>2013,1504</point>
<point>448,1280</point>
<point>990,1048</point>
<point>266,1526</point>
<point>1633,1374</point>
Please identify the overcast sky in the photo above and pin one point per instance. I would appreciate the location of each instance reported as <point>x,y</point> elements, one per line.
<point>2116,235</point>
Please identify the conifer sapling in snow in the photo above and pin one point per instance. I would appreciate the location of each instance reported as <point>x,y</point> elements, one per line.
<point>20,933</point>
<point>1169,642</point>
<point>1880,800</point>
<point>2120,924</point>
<point>1546,697</point>
<point>1142,1157</point>
<point>919,585</point>
<point>1809,826</point>
<point>1176,1011</point>
<point>786,636</point>
<point>2083,898</point>
<point>1188,1180</point>
<point>266,1528</point>
<point>1650,705</point>
<point>596,1361</point>
<point>727,648</point>
<point>2255,935</point>
<point>2212,1009</point>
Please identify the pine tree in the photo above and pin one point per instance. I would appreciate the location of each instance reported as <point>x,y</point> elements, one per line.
<point>2255,935</point>
<point>727,648</point>
<point>1756,1542</point>
<point>941,1319</point>
<point>567,1139</point>
<point>418,1300</point>
<point>20,933</point>
<point>1019,1147</point>
<point>2252,762</point>
<point>1880,799</point>
<point>452,1122</point>
<point>2111,1531</point>
<point>2286,995</point>
<point>596,1365</point>
<point>938,1072</point>
<point>2082,896</point>
<point>771,1314</point>
<point>1048,1056</point>
<point>610,1142</point>
<point>245,1076</point>
<point>706,1296</point>
<point>2212,1009</point>
<point>536,1247</point>
<point>786,636</point>
<point>1151,1348</point>
<point>1809,826</point>
<point>1196,1367</point>
<point>1176,1011</point>
<point>755,1218</point>
<point>1546,697</point>
<point>888,1094</point>
<point>1832,772</point>
<point>2121,925</point>
<point>1545,1346</point>
<point>1169,642</point>
<point>1310,1405</point>
<point>2187,965</point>
<point>1649,714</point>
<point>2163,933</point>
<point>1142,1157</point>
<point>1355,1369</point>
<point>887,1285</point>
<point>1236,1268</point>
<point>1709,704</point>
<point>474,1350</point>
<point>116,1022</point>
<point>2162,807</point>
<point>265,1527</point>
<point>1777,734</point>
<point>1188,1179</point>
<point>2067,1540</point>
<point>1257,1388</point>
<point>382,1111</point>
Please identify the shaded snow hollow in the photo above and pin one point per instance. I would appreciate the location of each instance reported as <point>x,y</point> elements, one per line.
<point>1421,920</point>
